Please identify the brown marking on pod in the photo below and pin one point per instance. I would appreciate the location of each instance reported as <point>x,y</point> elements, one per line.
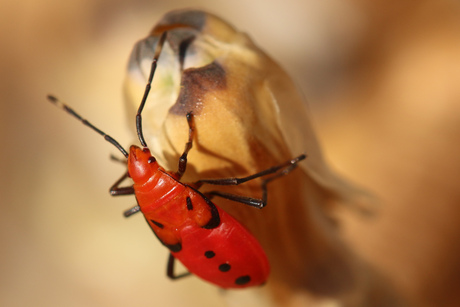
<point>196,83</point>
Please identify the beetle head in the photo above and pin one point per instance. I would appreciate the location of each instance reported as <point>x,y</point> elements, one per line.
<point>141,164</point>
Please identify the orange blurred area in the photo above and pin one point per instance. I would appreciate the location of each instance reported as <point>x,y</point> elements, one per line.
<point>381,77</point>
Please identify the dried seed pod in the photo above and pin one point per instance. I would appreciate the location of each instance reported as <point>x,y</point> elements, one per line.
<point>249,116</point>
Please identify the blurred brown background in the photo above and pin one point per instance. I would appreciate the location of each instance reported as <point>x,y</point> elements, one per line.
<point>382,78</point>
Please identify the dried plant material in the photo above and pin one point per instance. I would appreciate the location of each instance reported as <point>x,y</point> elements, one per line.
<point>250,116</point>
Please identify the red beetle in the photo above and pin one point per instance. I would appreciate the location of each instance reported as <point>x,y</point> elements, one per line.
<point>208,241</point>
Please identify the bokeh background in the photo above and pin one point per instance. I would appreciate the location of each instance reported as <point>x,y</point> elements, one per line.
<point>381,77</point>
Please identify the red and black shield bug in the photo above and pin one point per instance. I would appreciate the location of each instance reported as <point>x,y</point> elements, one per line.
<point>208,241</point>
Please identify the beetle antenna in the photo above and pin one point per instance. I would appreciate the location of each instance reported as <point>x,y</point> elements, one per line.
<point>69,110</point>
<point>158,49</point>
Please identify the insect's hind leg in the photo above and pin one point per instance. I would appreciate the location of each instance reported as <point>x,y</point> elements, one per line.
<point>253,202</point>
<point>283,172</point>
<point>286,168</point>
<point>170,269</point>
<point>278,171</point>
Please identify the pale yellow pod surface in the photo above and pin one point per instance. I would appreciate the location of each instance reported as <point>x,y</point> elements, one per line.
<point>246,106</point>
<point>249,116</point>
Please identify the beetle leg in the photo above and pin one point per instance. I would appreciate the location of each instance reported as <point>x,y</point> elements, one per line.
<point>253,202</point>
<point>116,190</point>
<point>131,211</point>
<point>116,159</point>
<point>284,172</point>
<point>188,145</point>
<point>278,171</point>
<point>285,168</point>
<point>170,269</point>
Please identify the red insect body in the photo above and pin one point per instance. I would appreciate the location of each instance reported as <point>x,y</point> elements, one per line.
<point>206,239</point>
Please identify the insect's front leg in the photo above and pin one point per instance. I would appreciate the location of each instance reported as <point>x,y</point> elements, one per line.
<point>116,190</point>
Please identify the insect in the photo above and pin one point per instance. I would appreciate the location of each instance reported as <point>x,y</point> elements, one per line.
<point>208,241</point>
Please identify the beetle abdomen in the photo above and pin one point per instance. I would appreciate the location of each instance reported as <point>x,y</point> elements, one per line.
<point>228,255</point>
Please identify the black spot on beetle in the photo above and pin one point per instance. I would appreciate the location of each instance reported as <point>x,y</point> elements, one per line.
<point>189,204</point>
<point>174,247</point>
<point>158,224</point>
<point>151,160</point>
<point>209,254</point>
<point>225,267</point>
<point>242,280</point>
<point>214,221</point>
